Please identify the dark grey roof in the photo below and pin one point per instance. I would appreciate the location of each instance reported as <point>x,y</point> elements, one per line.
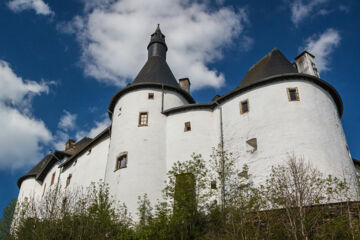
<point>156,70</point>
<point>274,63</point>
<point>276,78</point>
<point>157,37</point>
<point>302,53</point>
<point>41,169</point>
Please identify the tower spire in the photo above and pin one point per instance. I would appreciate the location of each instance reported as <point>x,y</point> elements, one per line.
<point>157,45</point>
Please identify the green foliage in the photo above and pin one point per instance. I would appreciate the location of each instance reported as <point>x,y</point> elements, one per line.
<point>6,220</point>
<point>290,205</point>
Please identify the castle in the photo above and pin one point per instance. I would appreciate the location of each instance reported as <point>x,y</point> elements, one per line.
<point>279,108</point>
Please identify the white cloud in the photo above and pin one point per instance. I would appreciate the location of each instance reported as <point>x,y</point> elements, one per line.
<point>300,10</point>
<point>39,6</point>
<point>114,35</point>
<point>67,121</point>
<point>322,45</point>
<point>60,139</point>
<point>21,135</point>
<point>93,132</point>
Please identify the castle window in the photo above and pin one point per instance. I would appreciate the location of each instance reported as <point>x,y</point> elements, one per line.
<point>252,144</point>
<point>244,107</point>
<point>121,162</point>
<point>151,96</point>
<point>143,119</point>
<point>52,179</point>
<point>68,180</point>
<point>187,127</point>
<point>293,94</point>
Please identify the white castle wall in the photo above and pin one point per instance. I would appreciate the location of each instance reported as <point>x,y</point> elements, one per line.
<point>308,128</point>
<point>88,168</point>
<point>180,145</point>
<point>145,146</point>
<point>27,189</point>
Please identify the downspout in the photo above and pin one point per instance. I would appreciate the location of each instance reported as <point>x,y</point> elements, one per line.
<point>162,98</point>
<point>222,157</point>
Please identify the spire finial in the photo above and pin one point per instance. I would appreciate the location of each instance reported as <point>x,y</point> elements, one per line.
<point>157,45</point>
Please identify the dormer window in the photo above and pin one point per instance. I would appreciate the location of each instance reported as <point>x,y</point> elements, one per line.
<point>143,119</point>
<point>244,107</point>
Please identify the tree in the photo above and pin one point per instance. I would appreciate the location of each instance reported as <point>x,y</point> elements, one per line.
<point>6,220</point>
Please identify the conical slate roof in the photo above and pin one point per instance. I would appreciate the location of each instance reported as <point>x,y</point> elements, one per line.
<point>156,70</point>
<point>274,63</point>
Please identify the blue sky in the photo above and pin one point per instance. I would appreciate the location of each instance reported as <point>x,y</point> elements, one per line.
<point>62,61</point>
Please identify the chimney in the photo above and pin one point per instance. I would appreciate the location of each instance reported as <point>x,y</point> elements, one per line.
<point>185,84</point>
<point>69,144</point>
<point>305,63</point>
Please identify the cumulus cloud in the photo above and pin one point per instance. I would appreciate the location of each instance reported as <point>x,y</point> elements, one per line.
<point>114,35</point>
<point>22,135</point>
<point>67,121</point>
<point>301,9</point>
<point>322,45</point>
<point>93,132</point>
<point>39,6</point>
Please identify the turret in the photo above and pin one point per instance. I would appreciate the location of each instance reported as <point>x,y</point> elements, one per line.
<point>157,45</point>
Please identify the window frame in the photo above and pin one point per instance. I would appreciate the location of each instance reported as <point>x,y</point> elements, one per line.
<point>140,124</point>
<point>118,164</point>
<point>242,108</point>
<point>187,126</point>
<point>297,95</point>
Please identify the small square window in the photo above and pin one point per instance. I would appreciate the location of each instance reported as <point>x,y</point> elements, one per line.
<point>121,162</point>
<point>143,119</point>
<point>187,127</point>
<point>68,180</point>
<point>244,107</point>
<point>151,96</point>
<point>293,94</point>
<point>52,179</point>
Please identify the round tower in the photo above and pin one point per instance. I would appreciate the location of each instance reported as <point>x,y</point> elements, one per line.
<point>136,161</point>
<point>278,112</point>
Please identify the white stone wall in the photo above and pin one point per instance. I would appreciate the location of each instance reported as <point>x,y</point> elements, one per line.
<point>27,189</point>
<point>309,128</point>
<point>202,138</point>
<point>145,146</point>
<point>88,168</point>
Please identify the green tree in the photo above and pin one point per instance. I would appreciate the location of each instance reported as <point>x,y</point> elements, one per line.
<point>6,220</point>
